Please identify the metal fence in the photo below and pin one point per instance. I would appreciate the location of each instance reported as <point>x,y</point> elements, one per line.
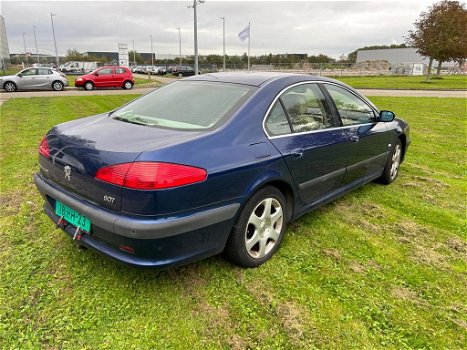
<point>370,68</point>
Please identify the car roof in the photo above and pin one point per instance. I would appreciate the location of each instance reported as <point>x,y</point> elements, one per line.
<point>253,78</point>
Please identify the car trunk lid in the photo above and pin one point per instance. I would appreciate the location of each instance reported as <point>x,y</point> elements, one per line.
<point>81,147</point>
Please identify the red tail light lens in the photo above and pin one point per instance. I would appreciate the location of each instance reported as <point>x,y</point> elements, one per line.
<point>44,148</point>
<point>151,175</point>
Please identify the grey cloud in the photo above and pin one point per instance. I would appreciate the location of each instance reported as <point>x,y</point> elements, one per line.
<point>312,27</point>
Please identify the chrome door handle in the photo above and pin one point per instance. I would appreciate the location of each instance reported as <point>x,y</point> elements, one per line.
<point>297,153</point>
<point>354,138</point>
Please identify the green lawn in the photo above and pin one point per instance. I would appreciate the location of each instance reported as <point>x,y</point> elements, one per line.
<point>445,82</point>
<point>383,268</point>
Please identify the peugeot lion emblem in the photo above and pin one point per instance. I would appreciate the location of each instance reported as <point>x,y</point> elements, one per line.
<point>67,170</point>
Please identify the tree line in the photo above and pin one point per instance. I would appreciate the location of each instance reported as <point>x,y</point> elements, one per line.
<point>441,34</point>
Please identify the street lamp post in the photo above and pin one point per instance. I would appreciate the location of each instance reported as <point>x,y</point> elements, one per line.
<point>179,46</point>
<point>223,40</point>
<point>35,42</point>
<point>152,58</point>
<point>195,26</point>
<point>55,41</point>
<point>25,50</point>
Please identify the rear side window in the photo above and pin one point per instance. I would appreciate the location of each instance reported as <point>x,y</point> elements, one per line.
<point>306,107</point>
<point>277,122</point>
<point>352,109</point>
<point>185,105</point>
<point>120,70</point>
<point>43,71</point>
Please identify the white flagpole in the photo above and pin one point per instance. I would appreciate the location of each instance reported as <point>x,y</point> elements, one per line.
<point>249,39</point>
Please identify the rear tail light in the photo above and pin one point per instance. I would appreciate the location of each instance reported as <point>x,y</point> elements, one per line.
<point>44,148</point>
<point>151,175</point>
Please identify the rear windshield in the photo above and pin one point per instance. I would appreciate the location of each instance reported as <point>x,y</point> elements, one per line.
<point>185,105</point>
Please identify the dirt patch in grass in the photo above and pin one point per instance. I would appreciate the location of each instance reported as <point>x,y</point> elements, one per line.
<point>405,294</point>
<point>433,182</point>
<point>10,203</point>
<point>221,326</point>
<point>357,267</point>
<point>457,245</point>
<point>292,321</point>
<point>409,229</point>
<point>430,256</point>
<point>290,316</point>
<point>333,253</point>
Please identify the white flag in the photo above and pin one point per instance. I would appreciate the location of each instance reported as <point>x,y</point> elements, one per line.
<point>245,33</point>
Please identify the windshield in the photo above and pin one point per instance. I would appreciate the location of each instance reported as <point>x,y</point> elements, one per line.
<point>185,105</point>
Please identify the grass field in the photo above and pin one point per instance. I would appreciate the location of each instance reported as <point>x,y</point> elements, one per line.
<point>383,268</point>
<point>445,82</point>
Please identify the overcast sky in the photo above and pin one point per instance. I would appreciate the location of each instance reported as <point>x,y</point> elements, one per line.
<point>313,27</point>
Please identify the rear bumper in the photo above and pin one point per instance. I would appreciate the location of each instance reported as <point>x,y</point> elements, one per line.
<point>157,242</point>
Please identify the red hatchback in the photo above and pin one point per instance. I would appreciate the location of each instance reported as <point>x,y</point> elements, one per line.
<point>111,76</point>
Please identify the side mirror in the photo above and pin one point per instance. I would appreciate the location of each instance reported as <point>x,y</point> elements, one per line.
<point>386,116</point>
<point>96,74</point>
<point>20,75</point>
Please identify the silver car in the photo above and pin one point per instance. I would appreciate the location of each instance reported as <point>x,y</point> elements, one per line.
<point>40,78</point>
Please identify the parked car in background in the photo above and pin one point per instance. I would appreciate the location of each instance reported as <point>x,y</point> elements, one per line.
<point>164,70</point>
<point>183,71</point>
<point>40,78</point>
<point>213,163</point>
<point>73,67</point>
<point>110,76</point>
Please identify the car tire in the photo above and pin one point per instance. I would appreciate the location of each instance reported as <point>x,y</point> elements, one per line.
<point>9,86</point>
<point>127,85</point>
<point>88,86</point>
<point>57,85</point>
<point>259,229</point>
<point>391,168</point>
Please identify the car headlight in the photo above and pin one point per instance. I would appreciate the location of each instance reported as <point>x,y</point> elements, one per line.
<point>79,79</point>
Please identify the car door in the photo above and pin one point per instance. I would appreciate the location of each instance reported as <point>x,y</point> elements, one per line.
<point>43,78</point>
<point>104,77</point>
<point>119,76</point>
<point>301,126</point>
<point>28,79</point>
<point>368,140</point>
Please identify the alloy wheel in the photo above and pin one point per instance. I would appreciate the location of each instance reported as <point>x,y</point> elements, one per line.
<point>57,86</point>
<point>10,87</point>
<point>396,160</point>
<point>263,228</point>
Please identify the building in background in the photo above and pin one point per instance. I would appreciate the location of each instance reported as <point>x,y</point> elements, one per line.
<point>4,51</point>
<point>113,56</point>
<point>397,57</point>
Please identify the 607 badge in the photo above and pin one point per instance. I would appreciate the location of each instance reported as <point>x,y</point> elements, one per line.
<point>109,199</point>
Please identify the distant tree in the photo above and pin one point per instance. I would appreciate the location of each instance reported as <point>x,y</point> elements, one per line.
<point>441,33</point>
<point>320,59</point>
<point>74,55</point>
<point>134,56</point>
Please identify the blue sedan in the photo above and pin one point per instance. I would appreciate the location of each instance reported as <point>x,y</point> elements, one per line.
<point>214,163</point>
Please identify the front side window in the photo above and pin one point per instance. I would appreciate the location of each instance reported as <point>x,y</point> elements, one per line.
<point>352,110</point>
<point>185,105</point>
<point>105,71</point>
<point>29,72</point>
<point>306,107</point>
